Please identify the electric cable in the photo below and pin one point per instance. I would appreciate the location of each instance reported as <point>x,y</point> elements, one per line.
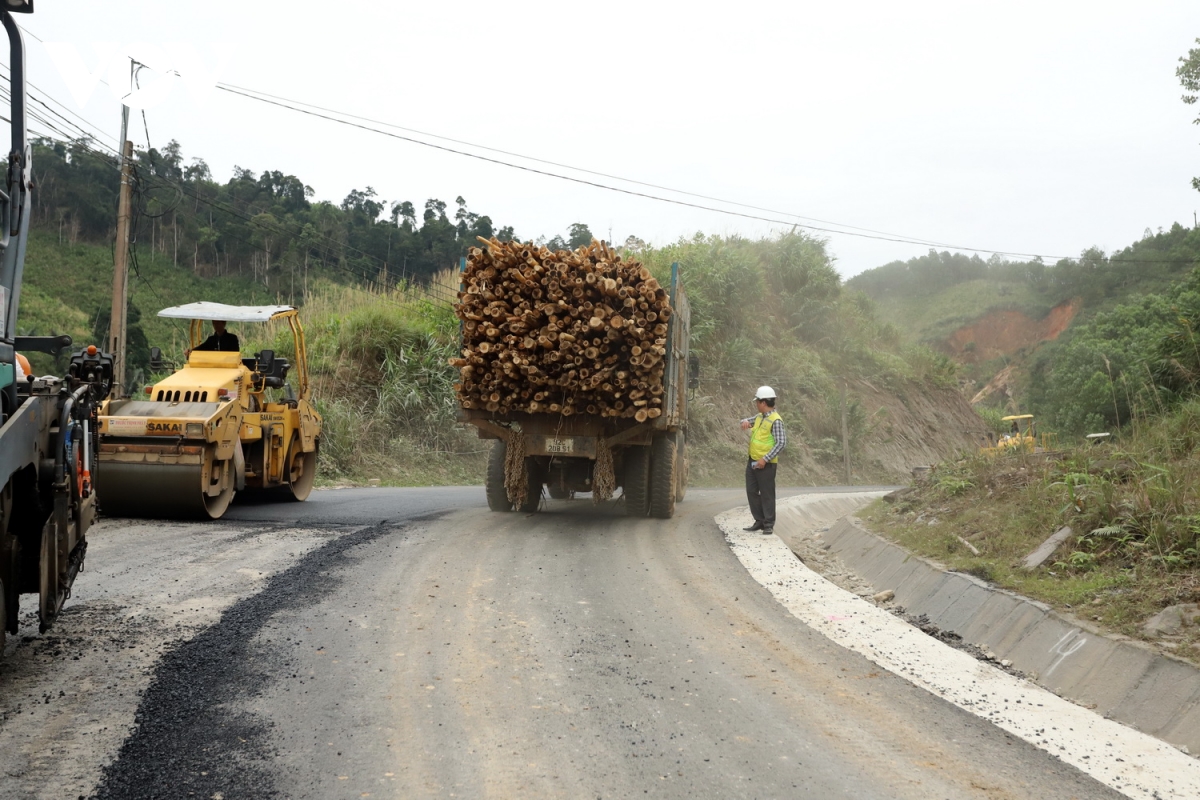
<point>322,112</point>
<point>234,89</point>
<point>244,92</point>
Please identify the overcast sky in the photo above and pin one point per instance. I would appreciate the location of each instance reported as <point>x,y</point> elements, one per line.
<point>1018,127</point>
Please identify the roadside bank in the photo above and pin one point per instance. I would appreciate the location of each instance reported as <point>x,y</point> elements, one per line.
<point>1126,759</point>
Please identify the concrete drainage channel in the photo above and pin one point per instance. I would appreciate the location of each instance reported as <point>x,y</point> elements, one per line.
<point>1118,679</point>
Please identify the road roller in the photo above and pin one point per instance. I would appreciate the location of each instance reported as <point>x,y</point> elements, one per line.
<point>223,422</point>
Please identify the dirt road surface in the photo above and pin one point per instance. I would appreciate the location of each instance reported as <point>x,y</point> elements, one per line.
<point>394,643</point>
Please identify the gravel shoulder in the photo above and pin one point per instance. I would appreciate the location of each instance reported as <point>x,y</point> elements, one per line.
<point>70,697</point>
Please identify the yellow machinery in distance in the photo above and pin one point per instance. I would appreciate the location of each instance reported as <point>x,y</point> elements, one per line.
<point>217,425</point>
<point>1022,437</point>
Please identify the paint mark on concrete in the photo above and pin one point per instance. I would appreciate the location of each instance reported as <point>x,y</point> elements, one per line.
<point>1071,642</point>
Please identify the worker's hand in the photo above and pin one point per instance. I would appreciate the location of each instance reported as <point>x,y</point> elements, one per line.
<point>760,464</point>
<point>745,425</point>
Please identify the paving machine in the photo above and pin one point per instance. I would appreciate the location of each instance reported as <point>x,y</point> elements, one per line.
<point>47,424</point>
<point>219,424</point>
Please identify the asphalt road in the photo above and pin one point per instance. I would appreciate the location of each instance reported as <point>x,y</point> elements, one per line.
<point>409,643</point>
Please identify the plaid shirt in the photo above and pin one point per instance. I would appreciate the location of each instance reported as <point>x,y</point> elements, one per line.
<point>777,432</point>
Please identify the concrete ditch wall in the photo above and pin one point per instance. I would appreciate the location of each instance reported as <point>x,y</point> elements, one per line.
<point>1119,678</point>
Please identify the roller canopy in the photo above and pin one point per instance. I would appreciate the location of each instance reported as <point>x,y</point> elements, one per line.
<point>212,311</point>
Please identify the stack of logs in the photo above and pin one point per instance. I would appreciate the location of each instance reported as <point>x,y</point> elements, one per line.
<point>561,332</point>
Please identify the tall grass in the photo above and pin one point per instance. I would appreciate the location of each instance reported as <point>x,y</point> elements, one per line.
<point>380,378</point>
<point>1134,503</point>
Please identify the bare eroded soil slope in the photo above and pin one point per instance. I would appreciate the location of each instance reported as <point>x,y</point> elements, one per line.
<point>1007,332</point>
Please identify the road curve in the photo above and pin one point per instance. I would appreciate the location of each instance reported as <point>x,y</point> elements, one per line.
<point>418,645</point>
<point>569,653</point>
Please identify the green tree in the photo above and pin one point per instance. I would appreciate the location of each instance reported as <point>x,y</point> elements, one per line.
<point>1188,73</point>
<point>578,235</point>
<point>265,223</point>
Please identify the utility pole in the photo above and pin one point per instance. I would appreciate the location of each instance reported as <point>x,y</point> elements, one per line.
<point>845,435</point>
<point>121,273</point>
<point>120,299</point>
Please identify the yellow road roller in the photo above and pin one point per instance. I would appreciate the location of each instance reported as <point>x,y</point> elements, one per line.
<point>223,422</point>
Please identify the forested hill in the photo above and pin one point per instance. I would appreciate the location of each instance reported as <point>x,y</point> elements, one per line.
<point>267,227</point>
<point>1098,280</point>
<point>1084,344</point>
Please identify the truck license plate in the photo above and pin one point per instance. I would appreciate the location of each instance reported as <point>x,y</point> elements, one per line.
<point>560,445</point>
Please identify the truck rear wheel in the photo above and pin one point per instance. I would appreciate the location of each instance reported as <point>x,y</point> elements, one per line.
<point>497,495</point>
<point>662,476</point>
<point>533,486</point>
<point>636,484</point>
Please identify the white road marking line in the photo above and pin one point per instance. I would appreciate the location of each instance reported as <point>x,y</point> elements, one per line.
<point>1149,768</point>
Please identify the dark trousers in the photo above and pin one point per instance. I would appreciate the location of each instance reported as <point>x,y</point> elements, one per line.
<point>760,491</point>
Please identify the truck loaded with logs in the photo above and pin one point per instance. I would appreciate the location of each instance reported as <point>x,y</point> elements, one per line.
<point>577,364</point>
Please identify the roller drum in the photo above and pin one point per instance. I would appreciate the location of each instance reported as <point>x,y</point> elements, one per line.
<point>158,490</point>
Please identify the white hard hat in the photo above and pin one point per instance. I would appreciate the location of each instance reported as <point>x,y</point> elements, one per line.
<point>764,393</point>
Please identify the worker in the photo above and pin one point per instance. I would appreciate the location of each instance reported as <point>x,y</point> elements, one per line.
<point>767,440</point>
<point>221,339</point>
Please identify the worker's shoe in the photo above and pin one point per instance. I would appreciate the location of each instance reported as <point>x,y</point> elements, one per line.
<point>768,531</point>
<point>757,526</point>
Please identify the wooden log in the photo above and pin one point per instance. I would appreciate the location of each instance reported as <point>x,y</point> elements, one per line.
<point>578,321</point>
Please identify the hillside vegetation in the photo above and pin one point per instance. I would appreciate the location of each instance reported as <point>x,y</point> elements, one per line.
<point>774,311</point>
<point>262,237</point>
<point>1084,380</point>
<point>1100,280</point>
<point>68,289</point>
<point>1133,507</point>
<point>1128,366</point>
<point>770,311</point>
<point>382,380</point>
<point>266,226</point>
<point>376,282</point>
<point>1132,502</point>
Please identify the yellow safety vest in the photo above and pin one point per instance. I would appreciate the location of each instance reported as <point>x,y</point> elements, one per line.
<point>761,439</point>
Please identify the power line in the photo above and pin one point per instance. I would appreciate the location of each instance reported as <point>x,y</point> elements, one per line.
<point>849,230</point>
<point>244,90</point>
<point>345,246</point>
<point>261,96</point>
<point>435,294</point>
<point>630,192</point>
<point>282,102</point>
<point>34,87</point>
<point>278,228</point>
